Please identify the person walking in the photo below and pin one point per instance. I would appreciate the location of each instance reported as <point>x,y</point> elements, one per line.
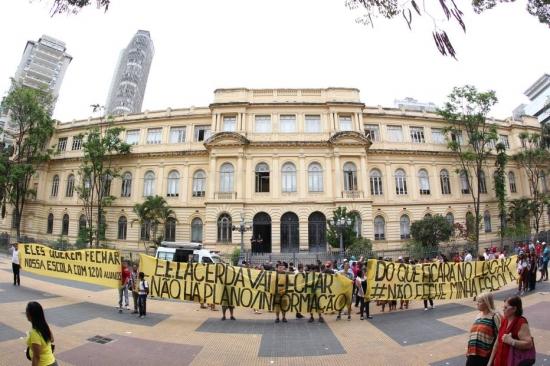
<point>545,260</point>
<point>361,284</point>
<point>483,332</point>
<point>40,340</point>
<point>143,291</point>
<point>15,265</point>
<point>513,333</point>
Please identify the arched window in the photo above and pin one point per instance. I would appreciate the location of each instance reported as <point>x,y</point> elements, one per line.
<point>289,178</point>
<point>376,183</point>
<point>350,177</point>
<point>149,184</point>
<point>445,182</point>
<point>122,227</point>
<point>224,228</point>
<point>196,230</point>
<point>49,228</point>
<point>400,182</point>
<point>173,184</point>
<point>379,228</point>
<point>450,218</point>
<point>70,186</point>
<point>226,178</point>
<point>405,227</point>
<point>470,224</point>
<point>262,177</point>
<point>55,185</point>
<point>464,184</point>
<point>424,181</point>
<point>14,219</point>
<point>170,229</point>
<point>82,225</point>
<point>199,183</point>
<point>427,215</point>
<point>107,179</point>
<point>65,225</point>
<point>357,225</point>
<point>512,182</point>
<point>315,177</point>
<point>487,221</point>
<point>145,231</point>
<point>126,189</point>
<point>482,182</point>
<point>543,184</point>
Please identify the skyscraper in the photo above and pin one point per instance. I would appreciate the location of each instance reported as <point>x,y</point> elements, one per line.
<point>130,77</point>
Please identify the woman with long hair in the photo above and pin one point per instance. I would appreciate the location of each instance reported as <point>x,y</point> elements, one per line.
<point>40,338</point>
<point>483,332</point>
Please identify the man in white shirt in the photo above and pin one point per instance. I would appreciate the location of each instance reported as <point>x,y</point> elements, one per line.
<point>468,257</point>
<point>15,264</point>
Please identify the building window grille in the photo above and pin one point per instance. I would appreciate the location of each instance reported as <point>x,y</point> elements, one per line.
<point>417,135</point>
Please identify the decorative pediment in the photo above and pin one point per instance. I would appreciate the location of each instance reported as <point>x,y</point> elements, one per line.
<point>349,138</point>
<point>226,139</point>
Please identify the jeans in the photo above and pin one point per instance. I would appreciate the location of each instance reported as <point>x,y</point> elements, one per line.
<point>16,279</point>
<point>123,291</point>
<point>142,304</point>
<point>135,296</point>
<point>364,306</point>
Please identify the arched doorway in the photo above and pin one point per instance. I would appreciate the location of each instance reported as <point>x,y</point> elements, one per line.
<point>261,233</point>
<point>317,232</point>
<point>290,233</point>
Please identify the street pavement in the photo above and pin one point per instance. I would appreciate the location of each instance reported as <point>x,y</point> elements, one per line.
<point>89,330</point>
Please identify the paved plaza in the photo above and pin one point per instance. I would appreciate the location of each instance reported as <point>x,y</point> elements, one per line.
<point>90,331</point>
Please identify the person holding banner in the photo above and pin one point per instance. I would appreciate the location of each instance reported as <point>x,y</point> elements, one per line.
<point>483,332</point>
<point>361,284</point>
<point>132,285</point>
<point>15,266</point>
<point>123,288</point>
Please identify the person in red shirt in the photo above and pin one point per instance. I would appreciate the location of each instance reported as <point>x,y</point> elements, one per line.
<point>538,249</point>
<point>123,288</point>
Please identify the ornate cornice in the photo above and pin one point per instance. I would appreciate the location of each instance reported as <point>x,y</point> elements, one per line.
<point>229,139</point>
<point>359,137</point>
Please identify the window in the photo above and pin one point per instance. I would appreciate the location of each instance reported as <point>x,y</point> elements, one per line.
<point>357,224</point>
<point>450,218</point>
<point>313,123</point>
<point>379,228</point>
<point>62,144</point>
<point>542,179</point>
<point>503,139</point>
<point>65,225</point>
<point>289,177</point>
<point>400,182</point>
<point>350,177</point>
<point>487,221</point>
<point>149,184</point>
<point>417,135</point>
<point>482,183</point>
<point>55,185</point>
<point>14,219</point>
<point>287,123</point>
<point>512,182</point>
<point>262,177</point>
<point>77,142</point>
<point>345,123</point>
<point>404,227</point>
<point>315,177</point>
<point>196,230</point>
<point>202,133</point>
<point>226,178</point>
<point>199,183</point>
<point>229,123</point>
<point>170,229</point>
<point>154,135</point>
<point>49,228</point>
<point>173,184</point>
<point>107,179</point>
<point>445,182</point>
<point>424,181</point>
<point>224,228</point>
<point>457,137</point>
<point>82,225</point>
<point>464,182</point>
<point>122,228</point>
<point>132,137</point>
<point>145,231</point>
<point>376,183</point>
<point>177,135</point>
<point>126,189</point>
<point>263,124</point>
<point>395,133</point>
<point>373,132</point>
<point>438,137</point>
<point>70,186</point>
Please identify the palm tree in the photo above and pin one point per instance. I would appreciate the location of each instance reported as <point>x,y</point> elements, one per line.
<point>151,214</point>
<point>519,214</point>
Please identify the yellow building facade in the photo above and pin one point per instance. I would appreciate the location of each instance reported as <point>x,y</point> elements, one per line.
<point>282,159</point>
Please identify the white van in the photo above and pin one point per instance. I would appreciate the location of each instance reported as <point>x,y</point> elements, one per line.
<point>186,252</point>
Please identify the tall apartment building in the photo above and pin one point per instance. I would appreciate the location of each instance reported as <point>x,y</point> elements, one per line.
<point>130,77</point>
<point>539,95</point>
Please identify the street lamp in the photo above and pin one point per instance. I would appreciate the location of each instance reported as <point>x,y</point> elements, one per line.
<point>341,224</point>
<point>242,228</point>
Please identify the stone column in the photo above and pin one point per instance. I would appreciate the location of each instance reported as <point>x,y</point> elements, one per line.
<point>240,176</point>
<point>364,176</point>
<point>212,177</point>
<point>337,176</point>
<point>302,185</point>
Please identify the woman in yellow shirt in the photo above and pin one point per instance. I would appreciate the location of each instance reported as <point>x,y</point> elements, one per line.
<point>40,338</point>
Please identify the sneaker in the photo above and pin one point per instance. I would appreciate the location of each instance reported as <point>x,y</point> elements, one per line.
<point>277,320</point>
<point>232,318</point>
<point>223,317</point>
<point>425,309</point>
<point>338,317</point>
<point>141,316</point>
<point>369,317</point>
<point>349,317</point>
<point>311,320</point>
<point>299,316</point>
<point>284,320</point>
<point>321,319</point>
<point>362,318</point>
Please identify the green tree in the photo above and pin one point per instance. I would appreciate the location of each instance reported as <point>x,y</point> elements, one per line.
<point>519,216</point>
<point>534,158</point>
<point>28,112</point>
<point>153,213</point>
<point>333,233</point>
<point>101,146</point>
<point>74,6</point>
<point>431,230</point>
<point>500,186</point>
<point>466,110</point>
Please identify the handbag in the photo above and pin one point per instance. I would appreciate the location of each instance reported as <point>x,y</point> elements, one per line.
<point>522,357</point>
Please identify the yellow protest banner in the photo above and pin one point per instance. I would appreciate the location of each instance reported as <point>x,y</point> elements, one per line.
<point>222,284</point>
<point>438,281</point>
<point>97,266</point>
